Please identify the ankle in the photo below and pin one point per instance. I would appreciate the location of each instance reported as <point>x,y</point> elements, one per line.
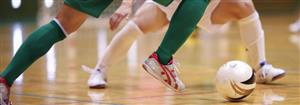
<point>263,63</point>
<point>3,80</point>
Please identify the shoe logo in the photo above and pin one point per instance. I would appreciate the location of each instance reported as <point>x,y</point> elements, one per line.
<point>170,76</point>
<point>99,70</point>
<point>233,65</point>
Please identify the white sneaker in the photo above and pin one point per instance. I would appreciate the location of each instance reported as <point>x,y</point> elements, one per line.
<point>167,74</point>
<point>268,73</point>
<point>96,95</point>
<point>97,79</point>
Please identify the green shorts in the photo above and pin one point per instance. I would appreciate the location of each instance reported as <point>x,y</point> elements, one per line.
<point>164,2</point>
<point>90,7</point>
<point>96,7</point>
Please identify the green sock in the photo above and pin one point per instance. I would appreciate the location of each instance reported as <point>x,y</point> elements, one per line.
<point>181,26</point>
<point>36,45</point>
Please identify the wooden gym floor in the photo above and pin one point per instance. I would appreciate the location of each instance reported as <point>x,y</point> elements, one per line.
<point>57,78</point>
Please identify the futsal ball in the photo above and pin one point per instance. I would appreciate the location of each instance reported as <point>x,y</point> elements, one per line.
<point>235,80</point>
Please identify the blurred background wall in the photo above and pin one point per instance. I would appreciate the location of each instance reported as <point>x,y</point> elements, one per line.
<point>277,6</point>
<point>28,9</point>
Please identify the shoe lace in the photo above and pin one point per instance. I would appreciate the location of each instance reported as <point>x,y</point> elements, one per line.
<point>175,66</point>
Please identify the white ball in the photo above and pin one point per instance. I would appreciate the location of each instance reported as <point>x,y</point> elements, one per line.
<point>235,80</point>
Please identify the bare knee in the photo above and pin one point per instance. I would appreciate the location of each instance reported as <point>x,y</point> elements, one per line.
<point>229,10</point>
<point>241,10</point>
<point>150,18</point>
<point>70,19</point>
<point>147,27</point>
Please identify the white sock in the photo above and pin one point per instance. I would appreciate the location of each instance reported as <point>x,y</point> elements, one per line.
<point>252,35</point>
<point>119,46</point>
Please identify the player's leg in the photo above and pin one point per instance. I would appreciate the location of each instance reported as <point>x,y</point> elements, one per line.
<point>70,19</point>
<point>160,64</point>
<point>252,35</point>
<point>181,26</point>
<point>156,19</point>
<point>122,41</point>
<point>40,41</point>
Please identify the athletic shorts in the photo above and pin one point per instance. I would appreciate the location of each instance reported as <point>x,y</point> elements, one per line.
<point>168,10</point>
<point>204,23</point>
<point>94,7</point>
<point>91,7</point>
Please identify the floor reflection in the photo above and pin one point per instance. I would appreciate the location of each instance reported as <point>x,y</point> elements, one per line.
<point>51,64</point>
<point>17,41</point>
<point>295,39</point>
<point>270,97</point>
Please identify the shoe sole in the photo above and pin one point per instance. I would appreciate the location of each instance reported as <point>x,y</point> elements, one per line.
<point>149,70</point>
<point>98,87</point>
<point>273,79</point>
<point>278,77</point>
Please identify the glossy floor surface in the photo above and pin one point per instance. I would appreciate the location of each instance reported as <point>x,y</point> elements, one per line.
<point>57,78</point>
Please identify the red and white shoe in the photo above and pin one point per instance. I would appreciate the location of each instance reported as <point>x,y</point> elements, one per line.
<point>97,79</point>
<point>267,74</point>
<point>4,92</point>
<point>167,74</point>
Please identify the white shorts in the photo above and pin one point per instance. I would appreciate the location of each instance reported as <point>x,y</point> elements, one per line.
<point>204,23</point>
<point>169,10</point>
